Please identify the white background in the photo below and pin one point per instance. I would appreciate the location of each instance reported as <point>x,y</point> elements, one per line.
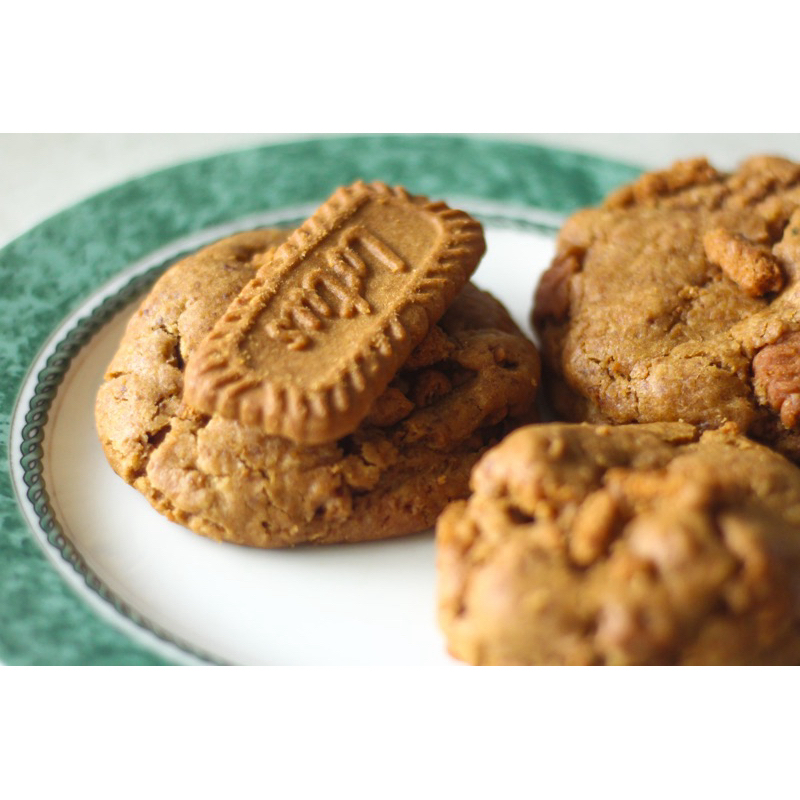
<point>565,733</point>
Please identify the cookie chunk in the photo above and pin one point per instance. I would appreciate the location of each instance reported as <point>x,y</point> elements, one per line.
<point>678,299</point>
<point>467,383</point>
<point>635,544</point>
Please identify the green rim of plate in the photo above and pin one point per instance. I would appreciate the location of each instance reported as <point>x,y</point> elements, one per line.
<point>49,271</point>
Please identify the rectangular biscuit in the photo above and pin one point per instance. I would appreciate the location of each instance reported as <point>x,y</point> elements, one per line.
<point>319,332</point>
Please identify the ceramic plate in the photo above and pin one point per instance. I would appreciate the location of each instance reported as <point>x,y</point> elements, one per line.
<point>89,573</point>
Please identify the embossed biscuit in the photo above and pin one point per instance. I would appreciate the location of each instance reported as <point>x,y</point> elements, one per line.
<point>317,335</point>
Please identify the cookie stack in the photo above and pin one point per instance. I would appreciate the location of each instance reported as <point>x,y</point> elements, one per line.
<point>335,383</point>
<point>660,524</point>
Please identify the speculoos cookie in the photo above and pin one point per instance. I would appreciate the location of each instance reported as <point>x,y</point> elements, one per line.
<point>632,544</point>
<point>315,337</point>
<point>464,382</point>
<point>679,299</point>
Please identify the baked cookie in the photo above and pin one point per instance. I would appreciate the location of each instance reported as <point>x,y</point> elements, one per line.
<point>636,544</point>
<point>470,380</point>
<point>679,299</point>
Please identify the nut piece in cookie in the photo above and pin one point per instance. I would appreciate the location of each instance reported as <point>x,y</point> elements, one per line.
<point>470,380</point>
<point>317,334</point>
<point>659,302</point>
<point>636,544</point>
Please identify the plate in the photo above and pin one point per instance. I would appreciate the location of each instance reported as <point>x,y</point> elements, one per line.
<point>89,573</point>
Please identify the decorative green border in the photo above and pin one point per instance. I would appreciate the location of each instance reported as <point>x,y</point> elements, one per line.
<point>48,271</point>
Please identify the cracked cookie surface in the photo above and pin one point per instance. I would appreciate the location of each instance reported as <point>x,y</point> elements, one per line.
<point>632,544</point>
<point>470,381</point>
<point>679,299</point>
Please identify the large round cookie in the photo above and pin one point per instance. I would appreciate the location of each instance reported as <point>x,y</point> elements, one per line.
<point>636,544</point>
<point>678,299</point>
<point>468,383</point>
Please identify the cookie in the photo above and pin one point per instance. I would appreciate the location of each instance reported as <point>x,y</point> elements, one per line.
<point>678,299</point>
<point>468,382</point>
<point>634,544</point>
<point>315,337</point>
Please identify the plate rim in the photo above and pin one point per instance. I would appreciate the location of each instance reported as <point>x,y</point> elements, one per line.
<point>146,643</point>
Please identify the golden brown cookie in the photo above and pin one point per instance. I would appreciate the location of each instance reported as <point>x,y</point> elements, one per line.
<point>467,383</point>
<point>679,299</point>
<point>635,544</point>
<point>317,334</point>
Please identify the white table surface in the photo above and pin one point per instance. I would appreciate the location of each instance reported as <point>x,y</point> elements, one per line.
<point>41,174</point>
